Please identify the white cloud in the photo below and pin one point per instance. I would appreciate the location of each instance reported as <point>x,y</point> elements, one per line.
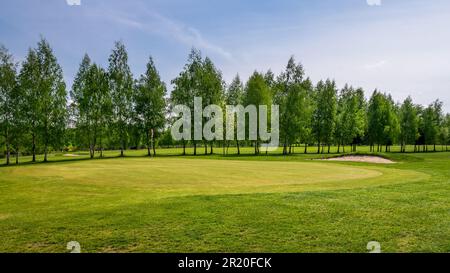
<point>403,53</point>
<point>373,2</point>
<point>188,35</point>
<point>164,26</point>
<point>73,2</point>
<point>376,65</point>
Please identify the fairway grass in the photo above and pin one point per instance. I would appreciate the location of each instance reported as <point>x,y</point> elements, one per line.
<point>245,204</point>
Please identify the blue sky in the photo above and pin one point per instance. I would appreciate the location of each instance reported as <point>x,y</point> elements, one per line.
<point>401,46</point>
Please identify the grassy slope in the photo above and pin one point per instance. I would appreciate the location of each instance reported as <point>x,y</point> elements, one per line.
<point>247,205</point>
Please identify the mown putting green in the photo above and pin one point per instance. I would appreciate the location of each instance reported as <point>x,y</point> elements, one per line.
<point>179,204</point>
<point>165,177</point>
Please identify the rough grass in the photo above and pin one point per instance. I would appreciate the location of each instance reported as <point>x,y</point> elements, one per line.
<point>226,204</point>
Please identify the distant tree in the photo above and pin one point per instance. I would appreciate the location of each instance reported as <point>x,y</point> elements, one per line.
<point>409,124</point>
<point>211,89</point>
<point>165,139</point>
<point>270,80</point>
<point>121,86</point>
<point>72,136</point>
<point>429,130</point>
<point>383,121</point>
<point>91,97</point>
<point>80,102</point>
<point>324,116</point>
<point>257,93</point>
<point>343,112</point>
<point>18,129</point>
<point>150,104</point>
<point>360,118</point>
<point>432,117</point>
<point>235,96</point>
<point>292,98</point>
<point>45,97</point>
<point>53,98</point>
<point>376,122</point>
<point>102,112</point>
<point>439,120</point>
<point>28,77</point>
<point>8,98</point>
<point>187,87</point>
<point>421,129</point>
<point>392,125</point>
<point>80,81</point>
<point>446,132</point>
<point>350,118</point>
<point>306,119</point>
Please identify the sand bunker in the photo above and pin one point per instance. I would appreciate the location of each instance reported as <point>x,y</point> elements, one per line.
<point>362,158</point>
<point>71,155</point>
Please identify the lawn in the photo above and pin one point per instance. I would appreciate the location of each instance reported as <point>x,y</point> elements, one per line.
<point>226,204</point>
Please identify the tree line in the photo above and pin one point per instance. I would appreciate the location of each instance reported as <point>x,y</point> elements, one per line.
<point>107,108</point>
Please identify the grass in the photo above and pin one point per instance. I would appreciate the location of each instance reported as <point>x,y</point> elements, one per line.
<point>226,204</point>
<point>219,153</point>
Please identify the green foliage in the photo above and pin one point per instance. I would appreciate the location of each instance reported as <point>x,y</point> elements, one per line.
<point>186,86</point>
<point>150,103</point>
<point>92,102</point>
<point>187,83</point>
<point>235,92</point>
<point>165,139</point>
<point>392,126</point>
<point>431,122</point>
<point>9,99</point>
<point>199,78</point>
<point>211,84</point>
<point>121,88</point>
<point>270,80</point>
<point>28,77</point>
<point>257,93</point>
<point>445,130</point>
<point>383,121</point>
<point>409,123</point>
<point>351,116</point>
<point>235,96</point>
<point>211,89</point>
<point>45,97</point>
<point>324,116</point>
<point>292,95</point>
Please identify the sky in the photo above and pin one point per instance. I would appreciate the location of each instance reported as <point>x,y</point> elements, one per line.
<point>396,46</point>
